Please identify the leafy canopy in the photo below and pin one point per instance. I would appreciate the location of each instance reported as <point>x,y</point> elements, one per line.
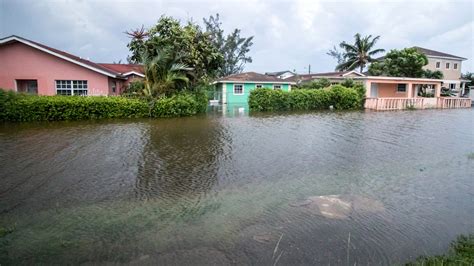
<point>233,47</point>
<point>357,55</point>
<point>195,46</point>
<point>407,62</point>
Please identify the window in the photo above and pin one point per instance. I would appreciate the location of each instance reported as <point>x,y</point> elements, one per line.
<point>447,65</point>
<point>277,87</point>
<point>452,86</point>
<point>455,66</point>
<point>238,89</point>
<point>71,87</point>
<point>438,64</point>
<point>401,87</point>
<point>258,86</point>
<point>114,86</point>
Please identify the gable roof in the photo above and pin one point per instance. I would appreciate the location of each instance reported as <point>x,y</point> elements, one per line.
<point>63,55</point>
<point>278,73</point>
<point>434,53</point>
<point>125,69</point>
<point>252,77</point>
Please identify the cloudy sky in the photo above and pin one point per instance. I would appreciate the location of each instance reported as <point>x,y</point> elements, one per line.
<point>288,34</point>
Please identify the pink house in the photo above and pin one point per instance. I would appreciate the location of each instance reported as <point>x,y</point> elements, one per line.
<point>28,66</point>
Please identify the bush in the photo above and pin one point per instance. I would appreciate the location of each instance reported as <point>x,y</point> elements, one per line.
<point>316,84</point>
<point>461,252</point>
<point>22,107</point>
<point>338,96</point>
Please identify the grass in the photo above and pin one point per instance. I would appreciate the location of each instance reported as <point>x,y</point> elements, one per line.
<point>461,252</point>
<point>470,156</point>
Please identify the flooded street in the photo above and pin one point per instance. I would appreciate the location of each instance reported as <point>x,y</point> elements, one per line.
<point>293,189</point>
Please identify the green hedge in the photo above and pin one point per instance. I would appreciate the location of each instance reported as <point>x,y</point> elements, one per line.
<point>22,107</point>
<point>339,97</point>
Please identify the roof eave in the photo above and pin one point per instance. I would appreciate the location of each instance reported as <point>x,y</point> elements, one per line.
<point>24,41</point>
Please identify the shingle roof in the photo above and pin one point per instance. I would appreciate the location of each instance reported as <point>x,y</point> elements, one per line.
<point>429,52</point>
<point>277,73</point>
<point>74,58</point>
<point>124,68</point>
<point>252,76</point>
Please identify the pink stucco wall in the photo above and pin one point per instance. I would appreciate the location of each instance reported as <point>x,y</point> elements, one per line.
<point>19,61</point>
<point>389,90</point>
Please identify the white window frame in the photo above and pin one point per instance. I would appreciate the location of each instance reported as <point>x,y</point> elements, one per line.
<point>455,66</point>
<point>398,91</point>
<point>258,86</point>
<point>436,64</point>
<point>447,65</point>
<point>243,89</point>
<point>71,85</point>
<point>279,85</point>
<point>452,86</point>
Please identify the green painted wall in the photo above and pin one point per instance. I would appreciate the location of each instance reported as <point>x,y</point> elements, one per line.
<point>231,98</point>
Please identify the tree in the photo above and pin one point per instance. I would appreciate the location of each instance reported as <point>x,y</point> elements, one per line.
<point>164,75</point>
<point>359,54</point>
<point>432,74</point>
<point>336,54</point>
<point>468,76</point>
<point>233,47</point>
<point>196,48</point>
<point>400,63</point>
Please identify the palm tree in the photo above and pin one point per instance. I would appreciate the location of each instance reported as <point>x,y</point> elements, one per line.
<point>358,54</point>
<point>163,73</point>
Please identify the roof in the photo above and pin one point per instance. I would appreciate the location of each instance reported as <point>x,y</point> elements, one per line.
<point>63,55</point>
<point>334,74</point>
<point>434,53</point>
<point>278,73</point>
<point>125,69</point>
<point>252,77</point>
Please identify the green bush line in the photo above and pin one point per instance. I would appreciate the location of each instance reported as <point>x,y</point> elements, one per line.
<point>340,97</point>
<point>17,107</point>
<point>461,252</point>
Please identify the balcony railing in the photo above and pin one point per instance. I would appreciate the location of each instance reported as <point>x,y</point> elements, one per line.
<point>415,103</point>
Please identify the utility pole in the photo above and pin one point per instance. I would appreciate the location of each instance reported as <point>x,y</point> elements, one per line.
<point>309,69</point>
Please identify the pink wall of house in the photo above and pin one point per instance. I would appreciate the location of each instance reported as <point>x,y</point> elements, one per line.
<point>22,62</point>
<point>389,90</point>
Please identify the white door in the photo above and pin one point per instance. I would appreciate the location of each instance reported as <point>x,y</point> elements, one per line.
<point>374,90</point>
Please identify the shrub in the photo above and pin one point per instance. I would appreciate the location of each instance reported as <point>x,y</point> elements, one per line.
<point>317,84</point>
<point>461,252</point>
<point>340,97</point>
<point>22,107</point>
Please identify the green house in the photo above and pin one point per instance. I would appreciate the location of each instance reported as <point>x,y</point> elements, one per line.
<point>235,89</point>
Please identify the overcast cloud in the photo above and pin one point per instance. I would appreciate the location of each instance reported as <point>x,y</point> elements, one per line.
<point>288,34</point>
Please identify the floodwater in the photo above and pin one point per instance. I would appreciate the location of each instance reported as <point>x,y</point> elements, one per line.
<point>338,188</point>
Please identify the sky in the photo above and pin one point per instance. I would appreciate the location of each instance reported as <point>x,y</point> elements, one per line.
<point>288,35</point>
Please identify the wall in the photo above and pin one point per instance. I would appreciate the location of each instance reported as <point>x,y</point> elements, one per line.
<point>449,74</point>
<point>390,90</point>
<point>231,98</point>
<point>19,61</point>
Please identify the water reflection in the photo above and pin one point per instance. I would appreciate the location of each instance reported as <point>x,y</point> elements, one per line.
<point>224,188</point>
<point>180,158</point>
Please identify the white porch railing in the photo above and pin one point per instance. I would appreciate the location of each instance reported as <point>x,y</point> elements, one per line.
<point>454,102</point>
<point>416,103</point>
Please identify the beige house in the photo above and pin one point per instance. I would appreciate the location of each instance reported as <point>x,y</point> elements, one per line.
<point>449,65</point>
<point>394,93</point>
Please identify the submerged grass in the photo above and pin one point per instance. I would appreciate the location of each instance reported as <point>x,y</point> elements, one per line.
<point>119,231</point>
<point>461,252</point>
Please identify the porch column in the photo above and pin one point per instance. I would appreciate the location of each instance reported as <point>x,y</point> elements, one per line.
<point>368,87</point>
<point>224,93</point>
<point>410,90</point>
<point>437,90</point>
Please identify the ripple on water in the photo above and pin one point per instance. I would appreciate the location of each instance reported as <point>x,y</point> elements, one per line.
<point>219,190</point>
